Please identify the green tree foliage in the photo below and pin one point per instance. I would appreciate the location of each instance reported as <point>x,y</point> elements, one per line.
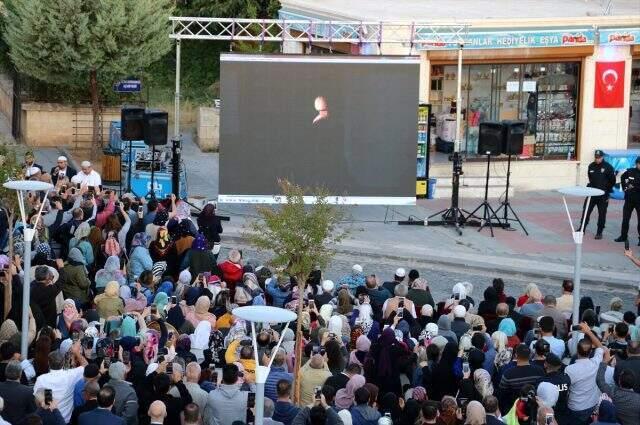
<point>299,237</point>
<point>79,43</point>
<point>10,169</point>
<point>262,9</point>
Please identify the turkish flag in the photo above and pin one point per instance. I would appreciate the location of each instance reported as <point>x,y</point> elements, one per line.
<point>609,85</point>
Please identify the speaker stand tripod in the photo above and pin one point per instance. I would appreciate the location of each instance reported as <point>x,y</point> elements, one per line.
<point>152,193</point>
<point>488,212</point>
<point>507,205</point>
<point>453,215</point>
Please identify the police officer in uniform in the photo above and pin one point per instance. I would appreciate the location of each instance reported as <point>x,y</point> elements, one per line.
<point>630,182</point>
<point>601,176</point>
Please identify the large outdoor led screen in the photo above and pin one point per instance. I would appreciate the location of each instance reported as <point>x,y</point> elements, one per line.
<point>348,124</point>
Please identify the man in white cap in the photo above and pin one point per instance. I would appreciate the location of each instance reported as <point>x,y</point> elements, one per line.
<point>62,170</point>
<point>398,278</point>
<point>327,294</point>
<point>88,176</point>
<point>354,279</point>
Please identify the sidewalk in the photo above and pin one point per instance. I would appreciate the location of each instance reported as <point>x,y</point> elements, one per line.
<point>547,252</point>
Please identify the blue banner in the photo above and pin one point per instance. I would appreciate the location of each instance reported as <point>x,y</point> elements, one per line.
<point>128,86</point>
<point>617,36</point>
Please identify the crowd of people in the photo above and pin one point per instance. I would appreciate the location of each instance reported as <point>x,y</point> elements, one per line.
<point>131,322</point>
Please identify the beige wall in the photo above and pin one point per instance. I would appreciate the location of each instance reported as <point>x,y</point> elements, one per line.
<point>603,128</point>
<point>50,124</point>
<point>6,96</point>
<point>208,129</point>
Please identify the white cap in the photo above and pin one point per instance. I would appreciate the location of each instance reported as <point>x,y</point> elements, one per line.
<point>459,311</point>
<point>62,158</point>
<point>400,272</point>
<point>85,164</point>
<point>328,285</point>
<point>357,268</point>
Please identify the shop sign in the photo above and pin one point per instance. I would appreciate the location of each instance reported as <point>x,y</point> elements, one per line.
<point>620,36</point>
<point>514,39</point>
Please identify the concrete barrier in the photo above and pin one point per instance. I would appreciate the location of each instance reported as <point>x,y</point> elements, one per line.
<point>208,129</point>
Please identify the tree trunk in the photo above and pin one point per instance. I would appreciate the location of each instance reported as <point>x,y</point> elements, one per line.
<point>8,288</point>
<point>95,110</point>
<point>299,339</point>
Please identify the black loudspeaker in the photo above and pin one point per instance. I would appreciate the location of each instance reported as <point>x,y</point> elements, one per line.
<point>132,122</point>
<point>491,138</point>
<point>514,137</point>
<point>156,127</point>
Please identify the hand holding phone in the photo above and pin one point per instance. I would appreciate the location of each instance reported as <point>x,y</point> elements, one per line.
<point>48,396</point>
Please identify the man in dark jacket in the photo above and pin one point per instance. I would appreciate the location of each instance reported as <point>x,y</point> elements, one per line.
<point>43,296</point>
<point>630,183</point>
<point>632,363</point>
<point>556,376</point>
<point>601,176</point>
<point>18,398</point>
<point>62,170</point>
<point>90,397</point>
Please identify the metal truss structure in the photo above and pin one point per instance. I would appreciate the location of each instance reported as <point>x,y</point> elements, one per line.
<point>409,34</point>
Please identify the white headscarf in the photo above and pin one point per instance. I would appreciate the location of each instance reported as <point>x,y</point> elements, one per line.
<point>335,325</point>
<point>326,311</point>
<point>200,339</point>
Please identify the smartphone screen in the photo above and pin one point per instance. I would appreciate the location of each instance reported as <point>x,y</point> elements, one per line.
<point>107,362</point>
<point>174,299</point>
<point>312,304</point>
<point>214,377</point>
<point>75,336</point>
<point>465,367</point>
<point>251,400</point>
<point>126,357</point>
<point>626,244</point>
<point>48,396</point>
<point>169,368</point>
<point>400,313</point>
<point>318,393</point>
<point>401,302</point>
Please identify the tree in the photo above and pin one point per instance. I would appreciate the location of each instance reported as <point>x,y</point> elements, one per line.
<point>262,9</point>
<point>83,43</point>
<point>300,238</point>
<point>10,169</point>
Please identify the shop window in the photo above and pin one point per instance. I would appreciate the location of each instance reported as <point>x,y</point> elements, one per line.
<point>544,96</point>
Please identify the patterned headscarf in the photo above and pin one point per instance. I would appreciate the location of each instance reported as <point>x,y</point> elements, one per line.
<point>199,243</point>
<point>139,239</point>
<point>183,211</point>
<point>44,249</point>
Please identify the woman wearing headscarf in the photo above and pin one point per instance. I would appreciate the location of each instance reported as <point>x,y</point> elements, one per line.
<point>503,352</point>
<point>43,256</point>
<point>363,345</point>
<point>344,303</point>
<point>508,327</point>
<point>80,241</point>
<point>67,317</point>
<point>199,259</point>
<point>447,372</point>
<point>209,224</point>
<point>109,303</point>
<point>522,300</point>
<point>448,411</point>
<point>161,300</point>
<point>200,339</point>
<point>410,412</point>
<point>232,270</point>
<point>345,396</point>
<point>476,414</point>
<point>288,341</point>
<point>390,404</point>
<point>182,218</point>
<point>163,249</point>
<point>420,294</point>
<point>118,226</point>
<point>482,383</point>
<point>364,320</point>
<point>487,307</point>
<point>200,312</point>
<point>160,220</point>
<point>131,303</point>
<point>139,257</point>
<point>76,283</point>
<point>110,272</point>
<point>388,356</point>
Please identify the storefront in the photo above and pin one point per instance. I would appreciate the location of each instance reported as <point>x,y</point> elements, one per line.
<point>544,95</point>
<point>634,104</point>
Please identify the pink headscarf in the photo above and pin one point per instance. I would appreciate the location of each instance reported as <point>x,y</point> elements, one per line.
<point>363,344</point>
<point>345,396</point>
<point>151,347</point>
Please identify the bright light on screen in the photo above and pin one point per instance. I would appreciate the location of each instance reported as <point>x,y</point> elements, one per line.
<point>348,124</point>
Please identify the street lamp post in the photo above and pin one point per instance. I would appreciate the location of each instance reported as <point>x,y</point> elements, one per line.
<point>263,314</point>
<point>22,186</point>
<point>578,234</point>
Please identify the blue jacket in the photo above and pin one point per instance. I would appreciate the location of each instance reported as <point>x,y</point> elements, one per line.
<point>285,412</point>
<point>353,280</point>
<point>277,373</point>
<point>279,296</point>
<point>139,261</point>
<point>100,417</point>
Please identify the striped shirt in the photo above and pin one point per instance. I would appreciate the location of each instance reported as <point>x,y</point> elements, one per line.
<point>512,382</point>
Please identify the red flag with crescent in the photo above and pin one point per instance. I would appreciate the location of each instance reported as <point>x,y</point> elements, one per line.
<point>609,85</point>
